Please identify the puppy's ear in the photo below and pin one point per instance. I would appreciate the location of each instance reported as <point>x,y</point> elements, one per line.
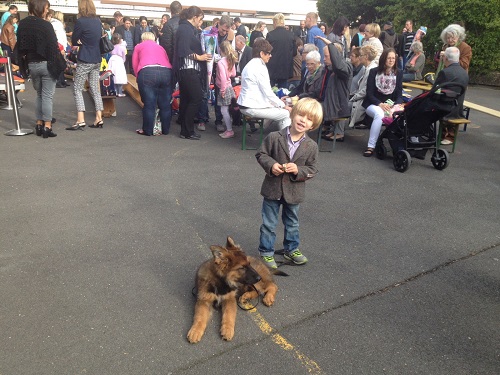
<point>219,254</point>
<point>230,243</point>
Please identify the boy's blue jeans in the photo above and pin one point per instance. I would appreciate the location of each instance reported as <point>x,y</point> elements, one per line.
<point>290,218</point>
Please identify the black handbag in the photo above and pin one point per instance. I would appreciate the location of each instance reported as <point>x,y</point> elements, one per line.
<point>105,45</point>
<point>73,55</point>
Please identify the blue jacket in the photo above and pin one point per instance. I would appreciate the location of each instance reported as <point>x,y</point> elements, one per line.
<point>87,34</point>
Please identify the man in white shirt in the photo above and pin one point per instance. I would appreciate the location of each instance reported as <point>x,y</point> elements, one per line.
<point>257,98</point>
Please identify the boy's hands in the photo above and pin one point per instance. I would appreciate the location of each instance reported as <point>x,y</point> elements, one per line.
<point>277,169</point>
<point>291,168</point>
<point>284,168</point>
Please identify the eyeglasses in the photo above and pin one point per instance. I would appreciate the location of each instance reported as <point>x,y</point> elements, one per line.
<point>267,53</point>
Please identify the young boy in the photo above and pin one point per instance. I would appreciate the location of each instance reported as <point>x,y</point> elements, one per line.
<point>289,158</point>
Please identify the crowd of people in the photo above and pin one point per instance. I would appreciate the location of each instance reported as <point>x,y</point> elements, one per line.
<point>328,77</point>
<point>352,77</point>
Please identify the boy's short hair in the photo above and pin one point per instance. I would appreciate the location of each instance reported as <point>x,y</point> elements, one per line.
<point>311,108</point>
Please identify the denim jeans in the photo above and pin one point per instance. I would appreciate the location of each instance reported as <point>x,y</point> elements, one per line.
<point>218,112</point>
<point>203,111</point>
<point>44,85</point>
<point>290,218</point>
<point>155,88</point>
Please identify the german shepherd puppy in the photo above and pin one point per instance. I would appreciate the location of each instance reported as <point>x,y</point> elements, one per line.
<point>221,279</point>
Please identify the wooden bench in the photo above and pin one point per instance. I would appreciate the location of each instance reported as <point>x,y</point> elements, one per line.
<point>455,123</point>
<point>247,120</point>
<point>109,106</point>
<point>108,103</point>
<point>421,85</point>
<point>19,86</point>
<point>481,108</point>
<point>332,128</point>
<point>132,89</point>
<point>424,86</point>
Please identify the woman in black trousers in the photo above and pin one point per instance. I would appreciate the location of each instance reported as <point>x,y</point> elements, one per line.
<point>190,63</point>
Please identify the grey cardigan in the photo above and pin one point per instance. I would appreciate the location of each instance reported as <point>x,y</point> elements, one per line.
<point>290,187</point>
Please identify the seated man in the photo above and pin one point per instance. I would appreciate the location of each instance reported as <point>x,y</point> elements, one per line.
<point>257,98</point>
<point>452,72</point>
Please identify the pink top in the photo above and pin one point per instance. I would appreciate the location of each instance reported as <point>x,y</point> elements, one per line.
<point>149,53</point>
<point>223,79</point>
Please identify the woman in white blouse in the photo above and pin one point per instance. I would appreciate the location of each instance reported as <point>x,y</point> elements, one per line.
<point>257,98</point>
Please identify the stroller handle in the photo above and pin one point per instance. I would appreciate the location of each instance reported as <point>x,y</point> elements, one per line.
<point>450,85</point>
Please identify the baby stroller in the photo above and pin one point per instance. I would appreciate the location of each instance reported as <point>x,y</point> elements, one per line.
<point>414,130</point>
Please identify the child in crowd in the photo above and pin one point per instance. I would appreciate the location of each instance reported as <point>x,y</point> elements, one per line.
<point>116,64</point>
<point>225,70</point>
<point>289,158</point>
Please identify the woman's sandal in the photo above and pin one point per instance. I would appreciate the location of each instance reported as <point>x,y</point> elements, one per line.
<point>98,124</point>
<point>77,126</point>
<point>327,137</point>
<point>369,152</point>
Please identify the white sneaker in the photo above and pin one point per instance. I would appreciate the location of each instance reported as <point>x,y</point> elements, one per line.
<point>446,142</point>
<point>220,128</point>
<point>201,126</point>
<point>227,134</point>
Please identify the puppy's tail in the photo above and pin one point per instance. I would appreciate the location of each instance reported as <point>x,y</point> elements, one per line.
<point>278,272</point>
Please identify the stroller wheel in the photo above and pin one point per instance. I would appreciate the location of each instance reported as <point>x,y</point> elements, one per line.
<point>402,161</point>
<point>440,159</point>
<point>380,151</point>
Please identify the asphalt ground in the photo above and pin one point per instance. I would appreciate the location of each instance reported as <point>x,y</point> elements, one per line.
<point>102,231</point>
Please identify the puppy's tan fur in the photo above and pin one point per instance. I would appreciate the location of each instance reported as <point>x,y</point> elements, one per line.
<point>230,272</point>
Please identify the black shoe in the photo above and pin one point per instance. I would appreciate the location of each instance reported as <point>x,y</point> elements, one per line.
<point>39,130</point>
<point>192,138</point>
<point>59,86</point>
<point>77,126</point>
<point>196,135</point>
<point>48,133</point>
<point>99,124</point>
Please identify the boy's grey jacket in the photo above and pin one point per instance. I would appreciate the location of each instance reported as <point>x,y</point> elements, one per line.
<point>274,149</point>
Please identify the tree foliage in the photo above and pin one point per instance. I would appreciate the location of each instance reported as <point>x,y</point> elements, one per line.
<point>481,19</point>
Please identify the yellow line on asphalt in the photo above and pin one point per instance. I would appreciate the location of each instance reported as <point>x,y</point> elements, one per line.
<point>311,366</point>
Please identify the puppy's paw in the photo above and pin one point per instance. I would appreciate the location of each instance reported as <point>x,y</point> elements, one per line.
<point>246,297</point>
<point>194,335</point>
<point>268,299</point>
<point>227,333</point>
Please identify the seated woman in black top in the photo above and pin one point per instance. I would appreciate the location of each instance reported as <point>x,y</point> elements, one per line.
<point>384,88</point>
